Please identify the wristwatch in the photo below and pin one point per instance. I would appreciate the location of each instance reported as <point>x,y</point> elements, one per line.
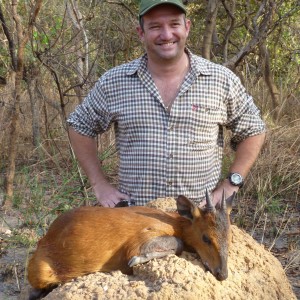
<point>236,179</point>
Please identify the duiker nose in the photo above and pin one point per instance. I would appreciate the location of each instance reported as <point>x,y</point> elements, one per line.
<point>221,274</point>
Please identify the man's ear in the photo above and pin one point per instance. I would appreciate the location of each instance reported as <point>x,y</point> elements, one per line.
<point>140,32</point>
<point>188,25</point>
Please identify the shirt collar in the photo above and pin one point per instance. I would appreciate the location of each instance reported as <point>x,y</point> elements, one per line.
<point>199,65</point>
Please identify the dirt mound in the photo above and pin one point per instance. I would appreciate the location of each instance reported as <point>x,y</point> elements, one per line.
<point>254,273</point>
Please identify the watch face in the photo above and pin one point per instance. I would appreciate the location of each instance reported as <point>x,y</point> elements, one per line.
<point>236,178</point>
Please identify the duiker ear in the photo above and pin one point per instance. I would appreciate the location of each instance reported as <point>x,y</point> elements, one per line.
<point>186,208</point>
<point>229,202</point>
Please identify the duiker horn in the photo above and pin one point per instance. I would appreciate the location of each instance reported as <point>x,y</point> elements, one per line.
<point>209,205</point>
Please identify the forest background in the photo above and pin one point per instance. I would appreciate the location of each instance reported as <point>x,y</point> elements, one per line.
<point>53,52</point>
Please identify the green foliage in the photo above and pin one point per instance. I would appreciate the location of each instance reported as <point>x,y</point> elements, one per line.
<point>20,238</point>
<point>275,206</point>
<point>41,197</point>
<point>4,61</point>
<point>50,33</point>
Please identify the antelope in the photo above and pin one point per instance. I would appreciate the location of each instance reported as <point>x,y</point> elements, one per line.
<point>90,239</point>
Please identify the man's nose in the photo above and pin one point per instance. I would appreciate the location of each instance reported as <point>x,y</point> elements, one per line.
<point>166,33</point>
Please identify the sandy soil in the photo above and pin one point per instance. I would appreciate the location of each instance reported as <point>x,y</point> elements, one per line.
<point>253,274</point>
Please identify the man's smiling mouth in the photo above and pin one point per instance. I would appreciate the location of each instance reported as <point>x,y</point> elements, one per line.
<point>166,44</point>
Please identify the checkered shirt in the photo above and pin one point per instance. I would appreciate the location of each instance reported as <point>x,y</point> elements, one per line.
<point>165,154</point>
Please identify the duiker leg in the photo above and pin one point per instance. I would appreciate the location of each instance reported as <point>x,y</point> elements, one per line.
<point>157,247</point>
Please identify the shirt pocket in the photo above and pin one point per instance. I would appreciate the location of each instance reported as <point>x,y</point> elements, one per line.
<point>205,127</point>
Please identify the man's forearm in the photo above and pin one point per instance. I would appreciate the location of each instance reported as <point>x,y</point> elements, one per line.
<point>246,154</point>
<point>85,149</point>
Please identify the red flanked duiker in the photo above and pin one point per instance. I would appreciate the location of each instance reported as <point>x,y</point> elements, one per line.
<point>90,239</point>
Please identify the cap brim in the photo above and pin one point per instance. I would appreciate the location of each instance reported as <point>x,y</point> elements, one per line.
<point>154,5</point>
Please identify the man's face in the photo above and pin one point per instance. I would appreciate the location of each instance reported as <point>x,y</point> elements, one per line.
<point>164,32</point>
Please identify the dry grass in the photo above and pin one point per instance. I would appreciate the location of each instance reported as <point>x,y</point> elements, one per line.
<point>277,170</point>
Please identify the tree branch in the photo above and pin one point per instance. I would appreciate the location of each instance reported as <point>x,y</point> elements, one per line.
<point>260,33</point>
<point>11,43</point>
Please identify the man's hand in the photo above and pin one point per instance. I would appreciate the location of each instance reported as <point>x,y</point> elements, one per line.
<point>108,196</point>
<point>85,148</point>
<point>228,188</point>
<point>217,193</point>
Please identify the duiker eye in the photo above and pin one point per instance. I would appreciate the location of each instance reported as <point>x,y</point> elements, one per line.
<point>206,239</point>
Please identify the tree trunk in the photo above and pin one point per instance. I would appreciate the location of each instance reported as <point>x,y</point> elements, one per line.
<point>35,112</point>
<point>13,141</point>
<point>23,37</point>
<point>6,127</point>
<point>230,10</point>
<point>210,24</point>
<point>81,38</point>
<point>268,77</point>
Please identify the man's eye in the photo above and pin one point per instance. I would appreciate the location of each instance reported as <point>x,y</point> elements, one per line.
<point>206,239</point>
<point>154,27</point>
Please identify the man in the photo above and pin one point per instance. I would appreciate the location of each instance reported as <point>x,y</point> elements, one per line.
<point>169,108</point>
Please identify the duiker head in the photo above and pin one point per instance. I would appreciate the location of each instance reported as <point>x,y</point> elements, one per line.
<point>209,233</point>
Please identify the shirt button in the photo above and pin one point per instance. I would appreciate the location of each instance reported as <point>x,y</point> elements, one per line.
<point>170,155</point>
<point>169,182</point>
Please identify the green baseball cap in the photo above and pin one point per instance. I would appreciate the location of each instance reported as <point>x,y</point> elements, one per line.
<point>146,5</point>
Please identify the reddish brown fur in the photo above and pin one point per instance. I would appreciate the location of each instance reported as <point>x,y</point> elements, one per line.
<point>90,239</point>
